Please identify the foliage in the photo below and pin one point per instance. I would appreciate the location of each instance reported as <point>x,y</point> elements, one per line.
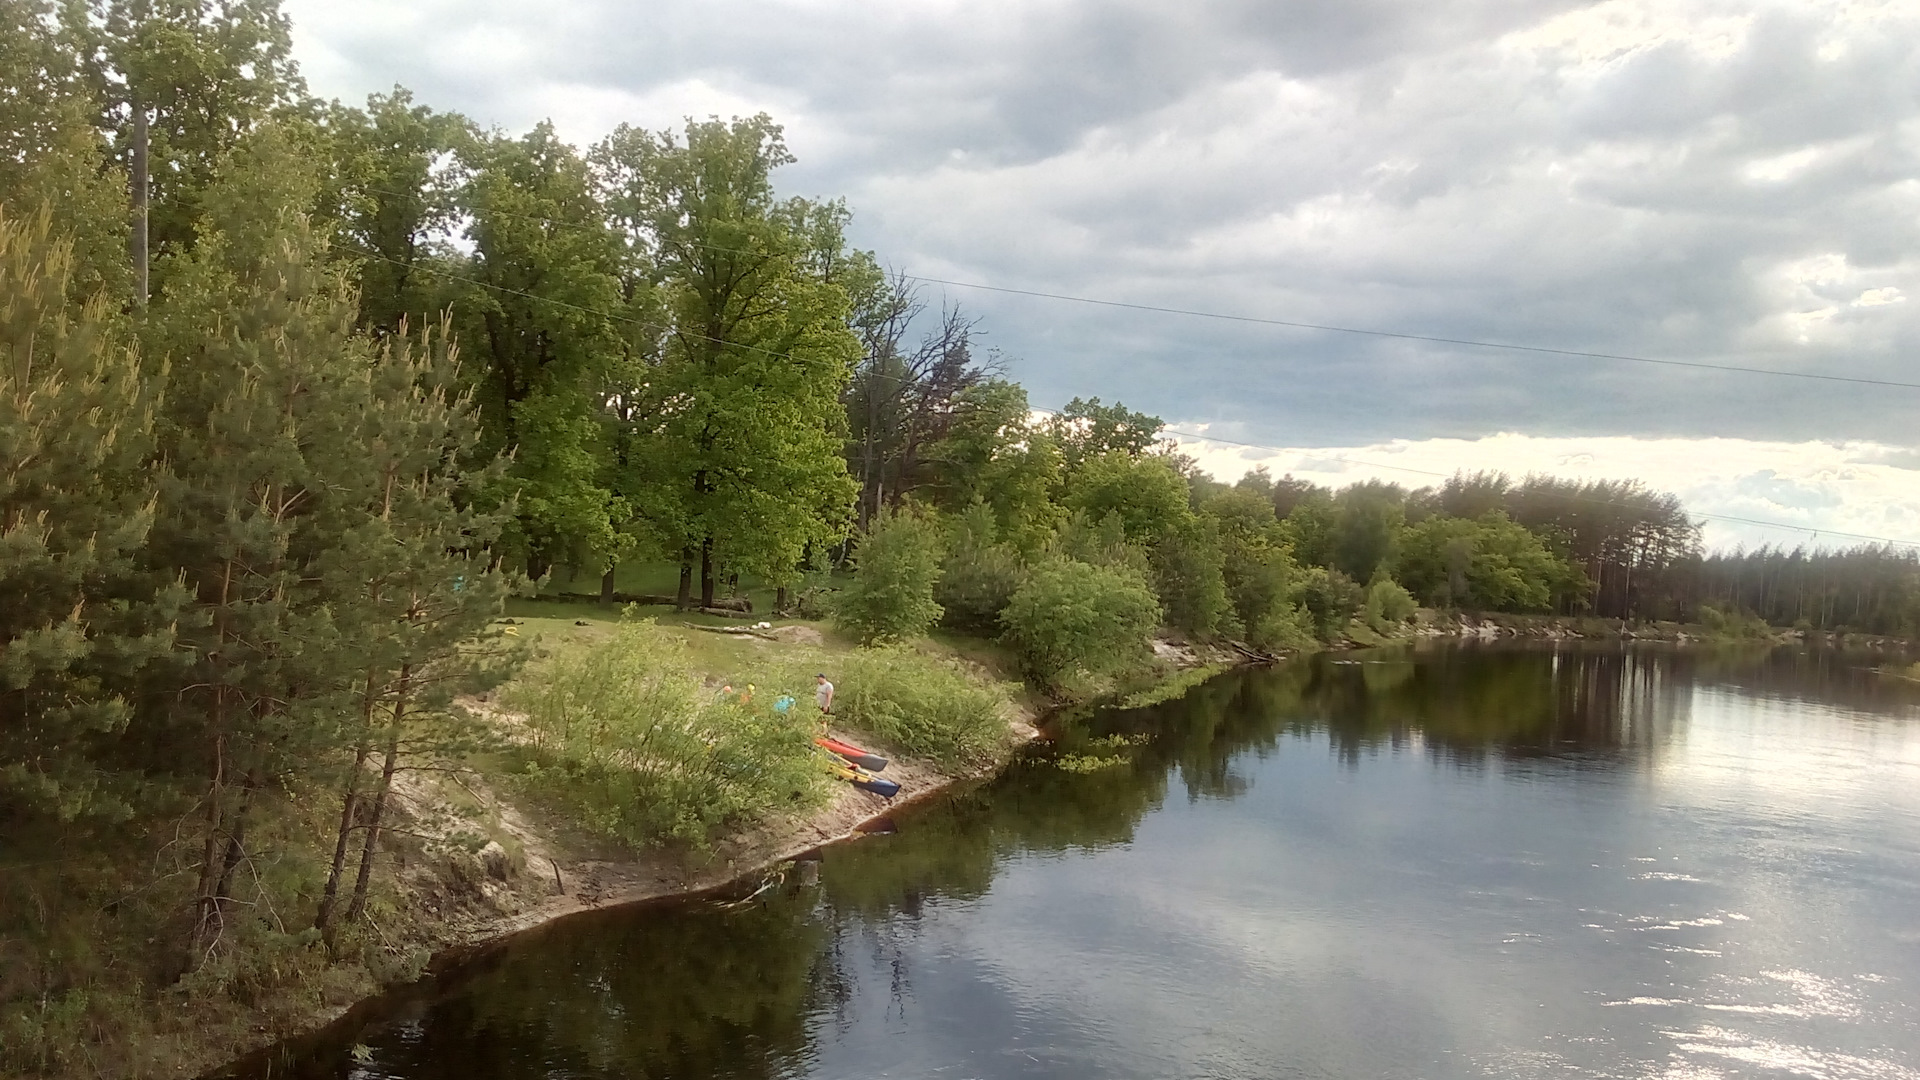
<point>76,503</point>
<point>739,423</point>
<point>1166,689</point>
<point>543,319</point>
<point>1088,763</point>
<point>52,159</point>
<point>1331,599</point>
<point>1869,588</point>
<point>1366,529</point>
<point>994,454</point>
<point>1145,493</point>
<point>1187,575</point>
<point>897,568</point>
<point>1487,563</point>
<point>625,736</point>
<point>980,574</point>
<point>1073,616</point>
<point>1087,429</point>
<point>1630,541</point>
<point>925,706</point>
<point>1733,625</point>
<point>1388,606</point>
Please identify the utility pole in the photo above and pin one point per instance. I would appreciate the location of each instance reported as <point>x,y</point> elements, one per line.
<point>138,243</point>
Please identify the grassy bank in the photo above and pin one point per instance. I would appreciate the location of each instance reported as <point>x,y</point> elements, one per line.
<point>615,766</point>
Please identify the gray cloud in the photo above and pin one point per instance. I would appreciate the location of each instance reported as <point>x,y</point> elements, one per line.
<point>1720,182</point>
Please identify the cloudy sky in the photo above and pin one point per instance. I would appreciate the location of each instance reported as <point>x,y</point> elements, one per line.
<point>1726,183</point>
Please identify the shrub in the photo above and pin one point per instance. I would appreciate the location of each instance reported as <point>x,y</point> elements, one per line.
<point>980,574</point>
<point>1330,598</point>
<point>1733,625</point>
<point>922,705</point>
<point>897,566</point>
<point>625,735</point>
<point>1187,577</point>
<point>1072,616</point>
<point>1387,606</point>
<point>1282,627</point>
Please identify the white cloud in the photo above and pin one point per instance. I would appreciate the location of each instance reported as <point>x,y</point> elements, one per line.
<point>1814,493</point>
<point>1729,182</point>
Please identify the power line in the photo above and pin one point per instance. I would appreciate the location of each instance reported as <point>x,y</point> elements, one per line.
<point>1542,350</point>
<point>1173,431</point>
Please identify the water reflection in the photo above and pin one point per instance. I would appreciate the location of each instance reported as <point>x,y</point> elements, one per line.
<point>1422,862</point>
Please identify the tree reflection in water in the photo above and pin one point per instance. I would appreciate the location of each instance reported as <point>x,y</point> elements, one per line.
<point>696,989</point>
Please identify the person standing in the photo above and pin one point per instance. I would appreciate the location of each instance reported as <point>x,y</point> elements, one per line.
<point>823,693</point>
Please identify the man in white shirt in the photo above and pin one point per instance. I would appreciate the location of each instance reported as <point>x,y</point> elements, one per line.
<point>823,693</point>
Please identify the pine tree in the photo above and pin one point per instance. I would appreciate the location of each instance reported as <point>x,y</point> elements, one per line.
<point>311,511</point>
<point>415,579</point>
<point>76,502</point>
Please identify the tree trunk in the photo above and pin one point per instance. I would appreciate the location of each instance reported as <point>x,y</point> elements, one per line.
<point>780,600</point>
<point>203,896</point>
<point>706,572</point>
<point>358,906</point>
<point>236,841</point>
<point>606,587</point>
<point>349,804</point>
<point>684,599</point>
<point>349,807</point>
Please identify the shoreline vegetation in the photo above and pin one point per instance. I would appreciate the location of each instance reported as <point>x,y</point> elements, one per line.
<point>459,903</point>
<point>304,404</point>
<point>546,858</point>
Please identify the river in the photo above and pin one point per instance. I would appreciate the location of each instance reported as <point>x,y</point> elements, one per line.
<point>1452,861</point>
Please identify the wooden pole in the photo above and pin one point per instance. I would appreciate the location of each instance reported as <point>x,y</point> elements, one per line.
<point>139,241</point>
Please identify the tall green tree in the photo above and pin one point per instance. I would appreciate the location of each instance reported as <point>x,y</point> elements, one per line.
<point>1087,429</point>
<point>1486,563</point>
<point>994,453</point>
<point>543,326</point>
<point>52,155</point>
<point>896,569</point>
<point>747,427</point>
<point>77,456</point>
<point>308,509</point>
<point>204,73</point>
<point>395,198</point>
<point>1366,527</point>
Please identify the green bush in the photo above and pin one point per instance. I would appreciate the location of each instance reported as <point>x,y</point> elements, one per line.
<point>1331,599</point>
<point>924,706</point>
<point>1187,577</point>
<point>1071,616</point>
<point>1388,606</point>
<point>897,566</point>
<point>625,736</point>
<point>1283,627</point>
<point>1733,625</point>
<point>980,574</point>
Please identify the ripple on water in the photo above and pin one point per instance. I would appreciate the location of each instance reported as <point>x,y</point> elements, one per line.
<point>1785,1057</point>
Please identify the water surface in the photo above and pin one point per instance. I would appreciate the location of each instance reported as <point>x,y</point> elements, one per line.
<point>1451,862</point>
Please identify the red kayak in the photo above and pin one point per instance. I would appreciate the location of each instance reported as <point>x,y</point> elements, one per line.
<point>870,762</point>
